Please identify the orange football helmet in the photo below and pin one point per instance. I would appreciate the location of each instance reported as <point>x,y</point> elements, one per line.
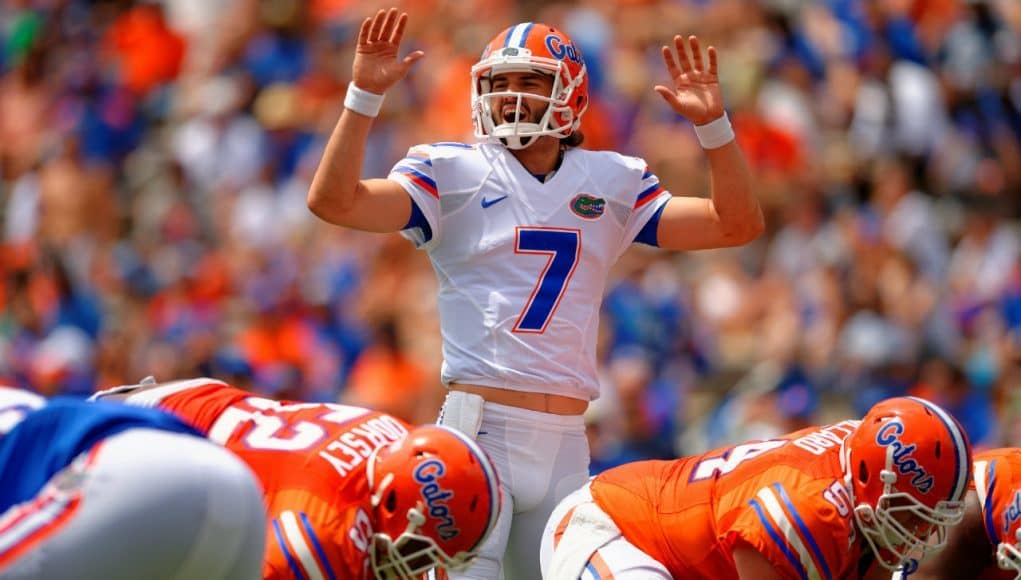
<point>435,498</point>
<point>907,467</point>
<point>1004,533</point>
<point>538,48</point>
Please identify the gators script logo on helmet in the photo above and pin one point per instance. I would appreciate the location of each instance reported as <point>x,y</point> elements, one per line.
<point>429,475</point>
<point>907,467</point>
<point>535,48</point>
<point>435,498</point>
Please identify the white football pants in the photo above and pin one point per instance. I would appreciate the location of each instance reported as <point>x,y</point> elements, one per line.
<point>540,458</point>
<point>146,504</point>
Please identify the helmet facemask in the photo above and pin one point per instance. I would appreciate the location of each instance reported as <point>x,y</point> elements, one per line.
<point>884,525</point>
<point>1008,555</point>
<point>410,554</point>
<point>559,119</point>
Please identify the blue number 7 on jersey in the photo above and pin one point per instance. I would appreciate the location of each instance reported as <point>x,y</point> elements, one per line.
<point>563,247</point>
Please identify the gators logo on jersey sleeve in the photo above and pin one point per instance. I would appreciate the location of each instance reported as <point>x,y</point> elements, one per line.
<point>588,207</point>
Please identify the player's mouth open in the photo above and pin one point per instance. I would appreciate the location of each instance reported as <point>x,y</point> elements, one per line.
<point>512,115</point>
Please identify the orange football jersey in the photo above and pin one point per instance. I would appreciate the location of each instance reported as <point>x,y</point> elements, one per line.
<point>997,481</point>
<point>783,497</point>
<point>310,460</point>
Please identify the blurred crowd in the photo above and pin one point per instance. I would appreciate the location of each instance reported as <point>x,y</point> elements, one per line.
<point>155,157</point>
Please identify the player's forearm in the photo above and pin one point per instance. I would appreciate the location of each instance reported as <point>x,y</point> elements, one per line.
<point>337,180</point>
<point>733,197</point>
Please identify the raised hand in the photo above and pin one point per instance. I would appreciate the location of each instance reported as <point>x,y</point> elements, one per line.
<point>696,91</point>
<point>376,66</point>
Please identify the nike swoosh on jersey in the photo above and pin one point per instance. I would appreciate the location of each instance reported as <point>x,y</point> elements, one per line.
<point>488,202</point>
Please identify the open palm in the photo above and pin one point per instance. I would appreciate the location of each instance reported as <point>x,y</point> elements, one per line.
<point>696,89</point>
<point>376,66</point>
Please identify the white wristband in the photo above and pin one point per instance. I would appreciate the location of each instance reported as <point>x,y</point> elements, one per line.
<point>362,102</point>
<point>715,133</point>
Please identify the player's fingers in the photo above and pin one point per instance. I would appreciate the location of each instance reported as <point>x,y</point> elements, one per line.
<point>696,54</point>
<point>388,25</point>
<point>411,58</point>
<point>377,25</point>
<point>667,94</point>
<point>682,54</point>
<point>398,33</point>
<point>363,32</point>
<point>712,60</point>
<point>671,62</point>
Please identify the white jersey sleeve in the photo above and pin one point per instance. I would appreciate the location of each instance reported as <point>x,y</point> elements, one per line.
<point>649,198</point>
<point>417,175</point>
<point>649,201</point>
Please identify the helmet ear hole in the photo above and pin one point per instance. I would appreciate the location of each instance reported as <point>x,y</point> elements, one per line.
<point>391,501</point>
<point>863,472</point>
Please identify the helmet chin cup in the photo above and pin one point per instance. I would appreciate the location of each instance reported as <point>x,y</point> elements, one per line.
<point>516,143</point>
<point>516,135</point>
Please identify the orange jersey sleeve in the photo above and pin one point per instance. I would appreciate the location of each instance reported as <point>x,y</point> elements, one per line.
<point>796,525</point>
<point>784,497</point>
<point>310,460</point>
<point>307,538</point>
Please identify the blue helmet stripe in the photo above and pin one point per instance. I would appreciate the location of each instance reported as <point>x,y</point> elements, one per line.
<point>962,457</point>
<point>510,35</point>
<point>524,35</point>
<point>517,36</point>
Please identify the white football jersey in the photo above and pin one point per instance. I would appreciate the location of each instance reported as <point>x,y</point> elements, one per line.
<point>522,265</point>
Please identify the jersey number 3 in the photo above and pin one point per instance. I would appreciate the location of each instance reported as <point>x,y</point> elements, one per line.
<point>563,248</point>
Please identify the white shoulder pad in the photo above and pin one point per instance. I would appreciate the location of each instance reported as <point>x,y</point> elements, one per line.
<point>150,393</point>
